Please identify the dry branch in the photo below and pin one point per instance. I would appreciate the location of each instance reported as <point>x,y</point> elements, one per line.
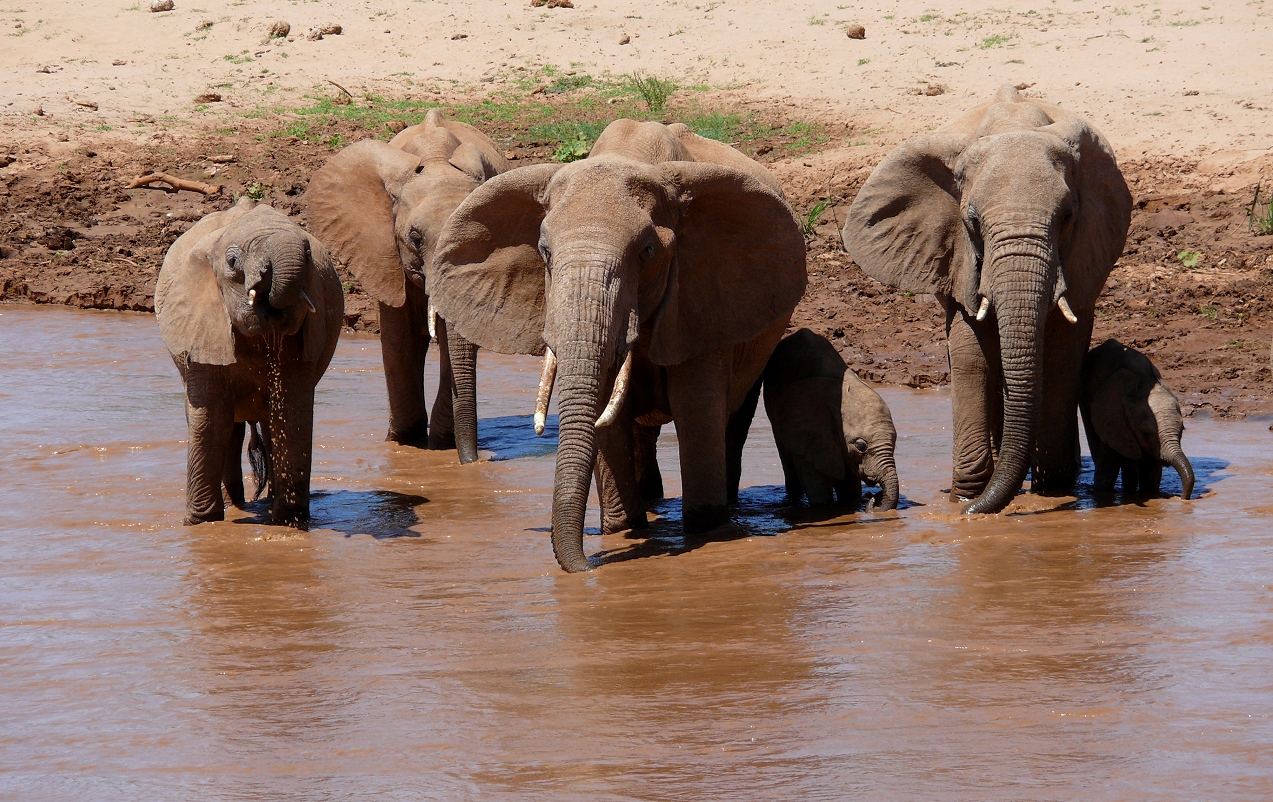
<point>175,183</point>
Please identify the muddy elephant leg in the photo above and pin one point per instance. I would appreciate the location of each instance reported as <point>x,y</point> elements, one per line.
<point>1057,459</point>
<point>645,442</point>
<point>210,420</point>
<point>698,392</point>
<point>615,471</point>
<point>790,476</point>
<point>1107,462</point>
<point>404,343</point>
<point>1151,477</point>
<point>736,438</point>
<point>976,400</point>
<point>818,487</point>
<point>232,476</point>
<point>849,491</point>
<point>462,362</point>
<point>442,421</point>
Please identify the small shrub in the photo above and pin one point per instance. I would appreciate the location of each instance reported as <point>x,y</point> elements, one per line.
<point>256,191</point>
<point>1189,258</point>
<point>1260,221</point>
<point>814,215</point>
<point>654,91</point>
<point>1208,311</point>
<point>998,40</point>
<point>573,149</point>
<point>568,83</point>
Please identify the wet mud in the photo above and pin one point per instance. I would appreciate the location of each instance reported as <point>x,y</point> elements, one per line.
<point>420,642</point>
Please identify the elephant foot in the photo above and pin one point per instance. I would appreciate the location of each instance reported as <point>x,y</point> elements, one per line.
<point>295,518</point>
<point>195,518</point>
<point>441,441</point>
<point>700,520</point>
<point>623,524</point>
<point>417,436</point>
<point>967,490</point>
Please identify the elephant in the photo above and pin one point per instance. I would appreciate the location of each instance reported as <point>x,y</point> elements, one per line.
<point>655,276</point>
<point>250,308</point>
<point>832,430</point>
<point>380,208</point>
<point>1012,215</point>
<point>1132,420</point>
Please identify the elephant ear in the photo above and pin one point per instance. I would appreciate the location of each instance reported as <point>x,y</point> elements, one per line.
<point>322,286</point>
<point>350,203</point>
<point>1104,212</point>
<point>193,320</point>
<point>702,149</point>
<point>904,227</point>
<point>470,159</point>
<point>806,418</point>
<point>1114,414</point>
<point>739,265</point>
<point>486,278</point>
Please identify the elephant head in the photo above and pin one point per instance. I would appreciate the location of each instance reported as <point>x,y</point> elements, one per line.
<point>1015,209</point>
<point>592,259</point>
<point>870,439</point>
<point>248,272</point>
<point>1128,408</point>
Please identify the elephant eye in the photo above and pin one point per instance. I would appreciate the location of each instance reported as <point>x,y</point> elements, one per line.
<point>545,253</point>
<point>860,445</point>
<point>417,239</point>
<point>232,256</point>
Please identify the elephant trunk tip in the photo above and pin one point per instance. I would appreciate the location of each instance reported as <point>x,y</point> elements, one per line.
<point>1181,463</point>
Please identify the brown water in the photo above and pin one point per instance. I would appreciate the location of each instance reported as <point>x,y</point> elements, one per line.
<point>420,642</point>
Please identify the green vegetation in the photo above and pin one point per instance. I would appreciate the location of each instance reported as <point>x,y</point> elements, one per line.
<point>242,58</point>
<point>256,191</point>
<point>1208,311</point>
<point>1189,259</point>
<point>574,149</point>
<point>1260,221</point>
<point>654,91</point>
<point>811,218</point>
<point>862,62</point>
<point>998,40</point>
<point>816,20</point>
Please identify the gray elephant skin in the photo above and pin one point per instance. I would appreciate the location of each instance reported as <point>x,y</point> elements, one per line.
<point>380,207</point>
<point>659,273</point>
<point>1132,420</point>
<point>833,432</point>
<point>250,307</point>
<point>1012,216</point>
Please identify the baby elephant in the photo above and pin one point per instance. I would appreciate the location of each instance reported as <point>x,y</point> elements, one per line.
<point>250,308</point>
<point>833,431</point>
<point>1133,421</point>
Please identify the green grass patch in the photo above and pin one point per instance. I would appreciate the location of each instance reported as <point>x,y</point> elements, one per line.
<point>998,40</point>
<point>652,90</point>
<point>813,216</point>
<point>1189,259</point>
<point>1260,220</point>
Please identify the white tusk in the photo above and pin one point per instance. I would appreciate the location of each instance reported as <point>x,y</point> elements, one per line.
<point>546,379</point>
<point>616,396</point>
<point>985,308</point>
<point>251,296</point>
<point>308,302</point>
<point>433,320</point>
<point>1065,310</point>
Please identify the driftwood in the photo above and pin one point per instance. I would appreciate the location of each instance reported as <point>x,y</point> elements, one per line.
<point>175,183</point>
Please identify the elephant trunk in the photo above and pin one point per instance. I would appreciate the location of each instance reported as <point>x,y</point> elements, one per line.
<point>1173,455</point>
<point>464,394</point>
<point>886,470</point>
<point>1022,299</point>
<point>288,263</point>
<point>579,369</point>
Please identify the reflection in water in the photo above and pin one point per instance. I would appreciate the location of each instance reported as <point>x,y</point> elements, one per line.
<point>419,641</point>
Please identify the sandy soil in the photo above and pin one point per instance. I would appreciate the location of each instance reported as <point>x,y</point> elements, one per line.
<point>92,95</point>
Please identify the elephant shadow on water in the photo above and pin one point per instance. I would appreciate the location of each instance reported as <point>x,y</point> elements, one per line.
<point>382,514</point>
<point>1207,472</point>
<point>762,511</point>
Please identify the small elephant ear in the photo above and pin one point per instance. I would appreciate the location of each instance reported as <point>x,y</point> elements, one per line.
<point>470,159</point>
<point>806,420</point>
<point>904,226</point>
<point>350,205</point>
<point>1114,415</point>
<point>1104,212</point>
<point>739,265</point>
<point>702,149</point>
<point>193,320</point>
<point>486,278</point>
<point>322,287</point>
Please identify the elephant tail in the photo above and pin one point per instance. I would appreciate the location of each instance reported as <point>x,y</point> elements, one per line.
<point>259,456</point>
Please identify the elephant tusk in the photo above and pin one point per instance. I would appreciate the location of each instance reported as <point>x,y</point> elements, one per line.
<point>545,394</point>
<point>251,297</point>
<point>433,320</point>
<point>1065,309</point>
<point>984,309</point>
<point>616,396</point>
<point>308,302</point>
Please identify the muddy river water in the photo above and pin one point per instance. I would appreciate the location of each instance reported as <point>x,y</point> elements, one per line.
<point>420,642</point>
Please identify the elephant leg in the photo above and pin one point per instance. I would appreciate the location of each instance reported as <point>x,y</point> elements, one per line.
<point>621,505</point>
<point>818,487</point>
<point>232,475</point>
<point>462,359</point>
<point>1107,462</point>
<point>1150,476</point>
<point>1057,458</point>
<point>698,393</point>
<point>442,421</point>
<point>404,343</point>
<point>976,401</point>
<point>1131,476</point>
<point>849,491</point>
<point>736,437</point>
<point>210,420</point>
<point>790,475</point>
<point>645,441</point>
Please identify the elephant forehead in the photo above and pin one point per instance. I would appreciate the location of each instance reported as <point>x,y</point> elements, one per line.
<point>1004,117</point>
<point>608,180</point>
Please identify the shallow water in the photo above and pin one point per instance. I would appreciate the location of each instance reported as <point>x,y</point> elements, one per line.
<point>420,642</point>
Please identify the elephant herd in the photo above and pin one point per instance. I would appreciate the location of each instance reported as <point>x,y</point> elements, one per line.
<point>657,278</point>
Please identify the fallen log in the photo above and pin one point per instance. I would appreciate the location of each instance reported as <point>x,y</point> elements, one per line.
<point>175,183</point>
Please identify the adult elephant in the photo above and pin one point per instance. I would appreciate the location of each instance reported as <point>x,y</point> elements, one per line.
<point>1013,216</point>
<point>380,208</point>
<point>660,272</point>
<point>250,308</point>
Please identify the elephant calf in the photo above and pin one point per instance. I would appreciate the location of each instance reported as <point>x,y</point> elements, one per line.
<point>250,308</point>
<point>832,430</point>
<point>1133,421</point>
